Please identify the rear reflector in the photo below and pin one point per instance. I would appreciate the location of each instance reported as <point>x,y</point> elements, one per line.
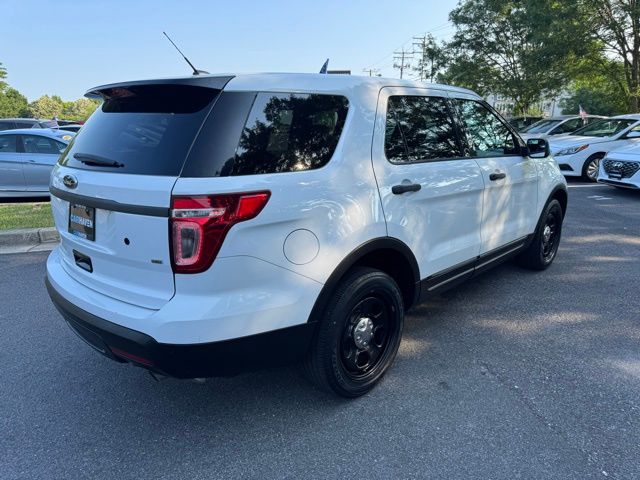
<point>131,357</point>
<point>199,225</point>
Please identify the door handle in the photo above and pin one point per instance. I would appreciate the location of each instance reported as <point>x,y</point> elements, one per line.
<point>405,187</point>
<point>497,176</point>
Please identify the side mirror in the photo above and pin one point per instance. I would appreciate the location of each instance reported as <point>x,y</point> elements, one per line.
<point>538,148</point>
<point>632,134</point>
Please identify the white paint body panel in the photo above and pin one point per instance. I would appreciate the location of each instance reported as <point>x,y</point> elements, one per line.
<point>139,273</point>
<point>441,222</point>
<point>248,296</point>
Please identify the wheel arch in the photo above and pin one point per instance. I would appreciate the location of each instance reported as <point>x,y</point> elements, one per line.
<point>387,254</point>
<point>559,193</point>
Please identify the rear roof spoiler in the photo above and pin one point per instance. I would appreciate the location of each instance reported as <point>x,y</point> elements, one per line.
<point>208,81</point>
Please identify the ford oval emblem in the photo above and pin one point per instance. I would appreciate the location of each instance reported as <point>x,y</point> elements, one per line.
<point>70,181</point>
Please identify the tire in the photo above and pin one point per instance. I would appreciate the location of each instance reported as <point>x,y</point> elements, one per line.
<point>543,249</point>
<point>359,334</point>
<point>591,167</point>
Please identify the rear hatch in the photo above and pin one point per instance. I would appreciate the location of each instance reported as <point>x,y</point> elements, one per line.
<point>111,190</point>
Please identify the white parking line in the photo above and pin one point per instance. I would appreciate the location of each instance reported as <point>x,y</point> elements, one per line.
<point>586,185</point>
<point>599,197</point>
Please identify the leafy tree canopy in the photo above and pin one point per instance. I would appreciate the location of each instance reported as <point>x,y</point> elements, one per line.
<point>12,103</point>
<point>519,49</point>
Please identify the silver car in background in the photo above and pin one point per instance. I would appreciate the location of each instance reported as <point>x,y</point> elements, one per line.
<point>27,157</point>
<point>560,125</point>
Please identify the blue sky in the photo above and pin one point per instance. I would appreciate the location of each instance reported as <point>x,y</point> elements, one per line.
<point>64,47</point>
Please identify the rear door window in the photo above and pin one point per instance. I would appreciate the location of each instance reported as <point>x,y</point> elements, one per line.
<point>146,129</point>
<point>289,133</point>
<point>420,128</point>
<point>39,144</point>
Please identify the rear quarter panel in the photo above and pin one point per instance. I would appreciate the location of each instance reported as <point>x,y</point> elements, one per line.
<point>338,204</point>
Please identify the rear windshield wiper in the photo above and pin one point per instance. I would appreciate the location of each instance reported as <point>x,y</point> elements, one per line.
<point>96,160</point>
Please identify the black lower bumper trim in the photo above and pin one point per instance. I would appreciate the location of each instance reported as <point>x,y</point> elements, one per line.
<point>618,184</point>
<point>224,358</point>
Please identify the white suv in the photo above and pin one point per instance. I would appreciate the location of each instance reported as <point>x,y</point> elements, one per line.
<point>214,224</point>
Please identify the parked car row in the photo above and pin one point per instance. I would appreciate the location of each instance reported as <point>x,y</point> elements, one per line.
<point>27,157</point>
<point>593,147</point>
<point>579,153</point>
<point>560,125</point>
<point>16,123</point>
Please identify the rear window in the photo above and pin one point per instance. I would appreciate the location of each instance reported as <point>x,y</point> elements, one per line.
<point>289,133</point>
<point>8,144</point>
<point>146,129</point>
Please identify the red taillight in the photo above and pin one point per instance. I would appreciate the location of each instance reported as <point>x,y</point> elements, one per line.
<point>199,225</point>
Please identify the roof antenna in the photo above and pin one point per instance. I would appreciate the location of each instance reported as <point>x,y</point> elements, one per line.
<point>195,70</point>
<point>324,67</point>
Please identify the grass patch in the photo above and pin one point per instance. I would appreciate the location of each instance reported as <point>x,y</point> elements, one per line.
<point>25,215</point>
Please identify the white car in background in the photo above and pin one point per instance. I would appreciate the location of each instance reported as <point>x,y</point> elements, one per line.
<point>559,125</point>
<point>621,168</point>
<point>579,153</point>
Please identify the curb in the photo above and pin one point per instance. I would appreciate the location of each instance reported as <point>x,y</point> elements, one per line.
<point>28,240</point>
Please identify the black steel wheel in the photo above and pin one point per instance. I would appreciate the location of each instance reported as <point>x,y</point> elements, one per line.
<point>359,335</point>
<point>550,237</point>
<point>544,246</point>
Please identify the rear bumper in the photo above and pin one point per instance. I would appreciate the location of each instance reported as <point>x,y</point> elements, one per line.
<point>223,358</point>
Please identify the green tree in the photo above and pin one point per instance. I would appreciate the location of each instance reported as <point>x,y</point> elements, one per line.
<point>598,85</point>
<point>46,107</point>
<point>593,100</point>
<point>79,110</point>
<point>616,24</point>
<point>519,49</point>
<point>3,75</point>
<point>431,58</point>
<point>12,103</point>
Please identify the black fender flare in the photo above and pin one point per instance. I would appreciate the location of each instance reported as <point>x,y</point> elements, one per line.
<point>380,243</point>
<point>558,188</point>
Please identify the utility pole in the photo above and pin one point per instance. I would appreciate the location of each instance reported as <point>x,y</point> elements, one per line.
<point>373,72</point>
<point>430,60</point>
<point>421,43</point>
<point>403,57</point>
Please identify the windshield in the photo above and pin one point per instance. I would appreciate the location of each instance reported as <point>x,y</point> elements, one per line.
<point>604,128</point>
<point>47,124</point>
<point>542,126</point>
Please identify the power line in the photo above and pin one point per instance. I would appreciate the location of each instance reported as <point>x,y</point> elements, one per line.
<point>443,26</point>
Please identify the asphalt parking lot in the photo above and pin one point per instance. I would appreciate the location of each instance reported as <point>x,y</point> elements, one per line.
<point>512,375</point>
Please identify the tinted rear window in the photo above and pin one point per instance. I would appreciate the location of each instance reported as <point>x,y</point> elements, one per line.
<point>147,128</point>
<point>289,133</point>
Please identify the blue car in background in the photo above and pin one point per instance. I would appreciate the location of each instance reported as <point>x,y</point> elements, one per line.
<point>27,157</point>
